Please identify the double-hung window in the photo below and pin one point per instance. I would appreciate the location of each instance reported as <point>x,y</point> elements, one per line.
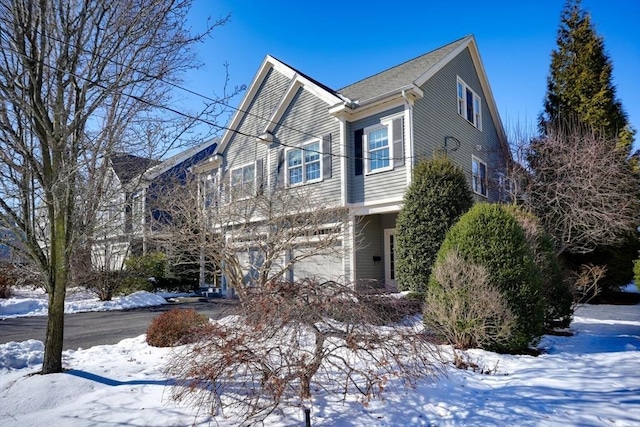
<point>469,104</point>
<point>243,181</point>
<point>304,164</point>
<point>378,148</point>
<point>479,176</point>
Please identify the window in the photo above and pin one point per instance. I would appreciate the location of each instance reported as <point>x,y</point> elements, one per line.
<point>479,176</point>
<point>304,164</point>
<point>211,190</point>
<point>378,151</point>
<point>243,181</point>
<point>469,104</point>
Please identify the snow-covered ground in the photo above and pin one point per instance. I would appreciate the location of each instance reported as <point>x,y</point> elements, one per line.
<point>589,379</point>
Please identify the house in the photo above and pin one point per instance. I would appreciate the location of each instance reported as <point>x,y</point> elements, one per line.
<point>357,146</point>
<point>127,217</point>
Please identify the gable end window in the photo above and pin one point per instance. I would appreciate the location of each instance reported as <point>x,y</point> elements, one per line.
<point>469,104</point>
<point>304,164</point>
<point>479,176</point>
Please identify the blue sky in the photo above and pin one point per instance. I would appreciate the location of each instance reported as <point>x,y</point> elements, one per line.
<point>341,42</point>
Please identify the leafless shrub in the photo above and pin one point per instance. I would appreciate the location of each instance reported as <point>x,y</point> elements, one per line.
<point>175,327</point>
<point>464,308</point>
<point>464,362</point>
<point>287,347</point>
<point>584,192</point>
<point>585,281</point>
<point>7,281</point>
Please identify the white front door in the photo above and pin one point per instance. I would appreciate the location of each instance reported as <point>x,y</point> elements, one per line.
<point>389,256</point>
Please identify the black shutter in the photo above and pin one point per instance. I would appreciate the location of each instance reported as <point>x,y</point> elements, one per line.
<point>326,156</point>
<point>357,151</point>
<point>398,146</point>
<point>280,169</point>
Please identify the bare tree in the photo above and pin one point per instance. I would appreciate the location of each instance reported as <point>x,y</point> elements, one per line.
<point>294,341</point>
<point>253,240</point>
<point>78,82</point>
<point>585,193</point>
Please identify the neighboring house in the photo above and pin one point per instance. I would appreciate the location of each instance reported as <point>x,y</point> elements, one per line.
<point>126,221</point>
<point>363,142</point>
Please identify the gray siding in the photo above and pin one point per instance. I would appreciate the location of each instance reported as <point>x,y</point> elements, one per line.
<point>436,116</point>
<point>370,244</point>
<point>244,146</point>
<point>307,118</point>
<point>376,186</point>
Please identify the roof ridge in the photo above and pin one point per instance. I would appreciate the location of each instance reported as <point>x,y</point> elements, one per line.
<point>406,62</point>
<point>306,76</point>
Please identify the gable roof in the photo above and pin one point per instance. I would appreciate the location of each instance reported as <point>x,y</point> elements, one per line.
<point>399,76</point>
<point>127,166</point>
<point>161,167</point>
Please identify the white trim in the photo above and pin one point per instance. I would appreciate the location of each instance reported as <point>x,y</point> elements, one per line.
<point>353,247</point>
<point>386,102</point>
<point>476,101</point>
<point>286,99</point>
<point>475,159</point>
<point>253,192</point>
<point>301,147</point>
<point>344,187</point>
<point>385,122</point>
<point>470,42</point>
<point>388,233</point>
<point>366,152</point>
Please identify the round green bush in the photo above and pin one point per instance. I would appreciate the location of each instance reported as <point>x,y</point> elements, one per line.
<point>437,196</point>
<point>489,236</point>
<point>556,291</point>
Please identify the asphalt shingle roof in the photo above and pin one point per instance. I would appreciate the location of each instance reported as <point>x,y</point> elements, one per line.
<point>128,166</point>
<point>398,76</point>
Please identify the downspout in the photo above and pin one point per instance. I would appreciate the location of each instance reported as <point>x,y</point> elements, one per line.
<point>408,151</point>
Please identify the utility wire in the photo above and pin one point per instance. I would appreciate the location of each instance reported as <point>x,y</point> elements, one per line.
<point>197,118</point>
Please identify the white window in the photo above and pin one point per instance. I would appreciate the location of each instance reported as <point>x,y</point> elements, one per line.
<point>378,144</point>
<point>243,181</point>
<point>479,176</point>
<point>304,164</point>
<point>211,190</point>
<point>469,104</point>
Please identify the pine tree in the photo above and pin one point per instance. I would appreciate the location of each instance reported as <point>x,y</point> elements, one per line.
<point>579,85</point>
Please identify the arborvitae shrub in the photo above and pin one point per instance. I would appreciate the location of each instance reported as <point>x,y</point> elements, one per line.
<point>556,290</point>
<point>175,327</point>
<point>437,197</point>
<point>489,236</point>
<point>141,268</point>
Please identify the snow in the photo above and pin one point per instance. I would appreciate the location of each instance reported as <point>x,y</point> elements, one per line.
<point>590,378</point>
<point>33,302</point>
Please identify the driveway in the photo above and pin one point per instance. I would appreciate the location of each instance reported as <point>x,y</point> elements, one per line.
<point>84,330</point>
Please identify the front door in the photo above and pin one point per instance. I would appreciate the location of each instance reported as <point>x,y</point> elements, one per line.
<point>389,257</point>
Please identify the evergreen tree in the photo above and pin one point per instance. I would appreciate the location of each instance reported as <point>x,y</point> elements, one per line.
<point>579,85</point>
<point>437,197</point>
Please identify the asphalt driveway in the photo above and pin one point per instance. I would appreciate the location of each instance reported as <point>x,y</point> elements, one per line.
<point>84,330</point>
